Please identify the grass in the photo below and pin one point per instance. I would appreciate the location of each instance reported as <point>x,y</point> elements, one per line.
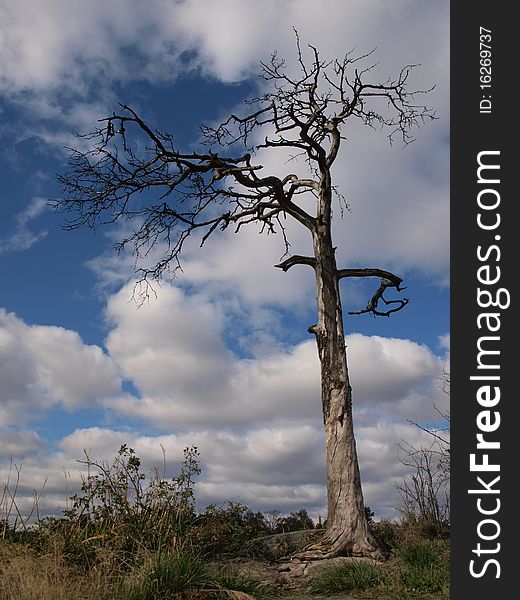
<point>186,571</point>
<point>423,566</point>
<point>419,570</point>
<point>348,577</point>
<point>26,574</point>
<point>183,573</point>
<point>164,575</point>
<point>122,540</point>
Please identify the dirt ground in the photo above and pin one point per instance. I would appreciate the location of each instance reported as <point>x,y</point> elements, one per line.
<point>290,578</point>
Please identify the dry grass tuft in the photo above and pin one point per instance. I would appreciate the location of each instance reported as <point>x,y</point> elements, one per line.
<point>26,575</point>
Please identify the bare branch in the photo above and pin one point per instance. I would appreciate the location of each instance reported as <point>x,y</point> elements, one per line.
<point>387,280</point>
<point>166,194</point>
<point>433,433</point>
<point>372,306</point>
<point>370,272</point>
<point>296,260</point>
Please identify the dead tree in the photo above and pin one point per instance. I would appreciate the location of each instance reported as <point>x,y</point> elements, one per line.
<point>168,195</point>
<point>424,493</point>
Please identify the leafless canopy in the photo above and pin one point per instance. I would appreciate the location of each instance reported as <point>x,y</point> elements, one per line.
<point>167,194</point>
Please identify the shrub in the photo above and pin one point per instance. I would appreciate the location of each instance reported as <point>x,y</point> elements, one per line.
<point>387,533</point>
<point>115,510</point>
<point>225,528</point>
<point>294,522</point>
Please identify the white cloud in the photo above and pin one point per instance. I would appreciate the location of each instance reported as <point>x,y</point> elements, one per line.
<point>265,468</point>
<point>20,443</point>
<point>22,237</point>
<point>386,367</point>
<point>69,42</point>
<point>332,25</point>
<point>399,201</point>
<point>170,346</point>
<point>42,367</point>
<point>55,52</point>
<point>173,351</point>
<point>256,420</point>
<point>244,262</point>
<point>444,342</point>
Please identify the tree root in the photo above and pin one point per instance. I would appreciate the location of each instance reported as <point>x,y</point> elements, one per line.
<point>327,549</point>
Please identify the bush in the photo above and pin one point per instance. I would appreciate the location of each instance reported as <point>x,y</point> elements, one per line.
<point>296,521</point>
<point>420,555</point>
<point>226,528</point>
<point>387,533</point>
<point>116,512</point>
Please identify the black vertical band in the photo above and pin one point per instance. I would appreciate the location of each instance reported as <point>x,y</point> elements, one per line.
<point>483,321</point>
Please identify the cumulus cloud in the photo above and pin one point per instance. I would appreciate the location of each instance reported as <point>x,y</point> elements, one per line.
<point>256,421</point>
<point>42,367</point>
<point>265,468</point>
<point>444,342</point>
<point>20,443</point>
<point>170,346</point>
<point>255,415</point>
<point>67,42</point>
<point>173,351</point>
<point>55,53</point>
<point>385,367</point>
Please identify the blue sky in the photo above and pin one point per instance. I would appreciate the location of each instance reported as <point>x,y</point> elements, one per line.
<point>222,357</point>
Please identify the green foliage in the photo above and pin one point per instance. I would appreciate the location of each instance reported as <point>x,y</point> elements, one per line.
<point>369,514</point>
<point>387,533</point>
<point>347,577</point>
<point>12,533</point>
<point>294,522</point>
<point>226,528</point>
<point>419,555</point>
<point>186,571</point>
<point>117,511</point>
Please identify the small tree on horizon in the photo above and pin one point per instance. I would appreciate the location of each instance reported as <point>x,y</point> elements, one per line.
<point>424,493</point>
<point>169,194</point>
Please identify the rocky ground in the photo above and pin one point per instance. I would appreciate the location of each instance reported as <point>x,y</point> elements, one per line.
<point>286,576</point>
<point>268,559</point>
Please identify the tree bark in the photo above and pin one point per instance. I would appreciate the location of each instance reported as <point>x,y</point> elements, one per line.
<point>347,525</point>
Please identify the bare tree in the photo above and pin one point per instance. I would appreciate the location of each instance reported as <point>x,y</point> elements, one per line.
<point>425,497</point>
<point>424,493</point>
<point>169,195</point>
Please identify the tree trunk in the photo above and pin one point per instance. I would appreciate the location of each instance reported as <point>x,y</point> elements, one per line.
<point>347,524</point>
